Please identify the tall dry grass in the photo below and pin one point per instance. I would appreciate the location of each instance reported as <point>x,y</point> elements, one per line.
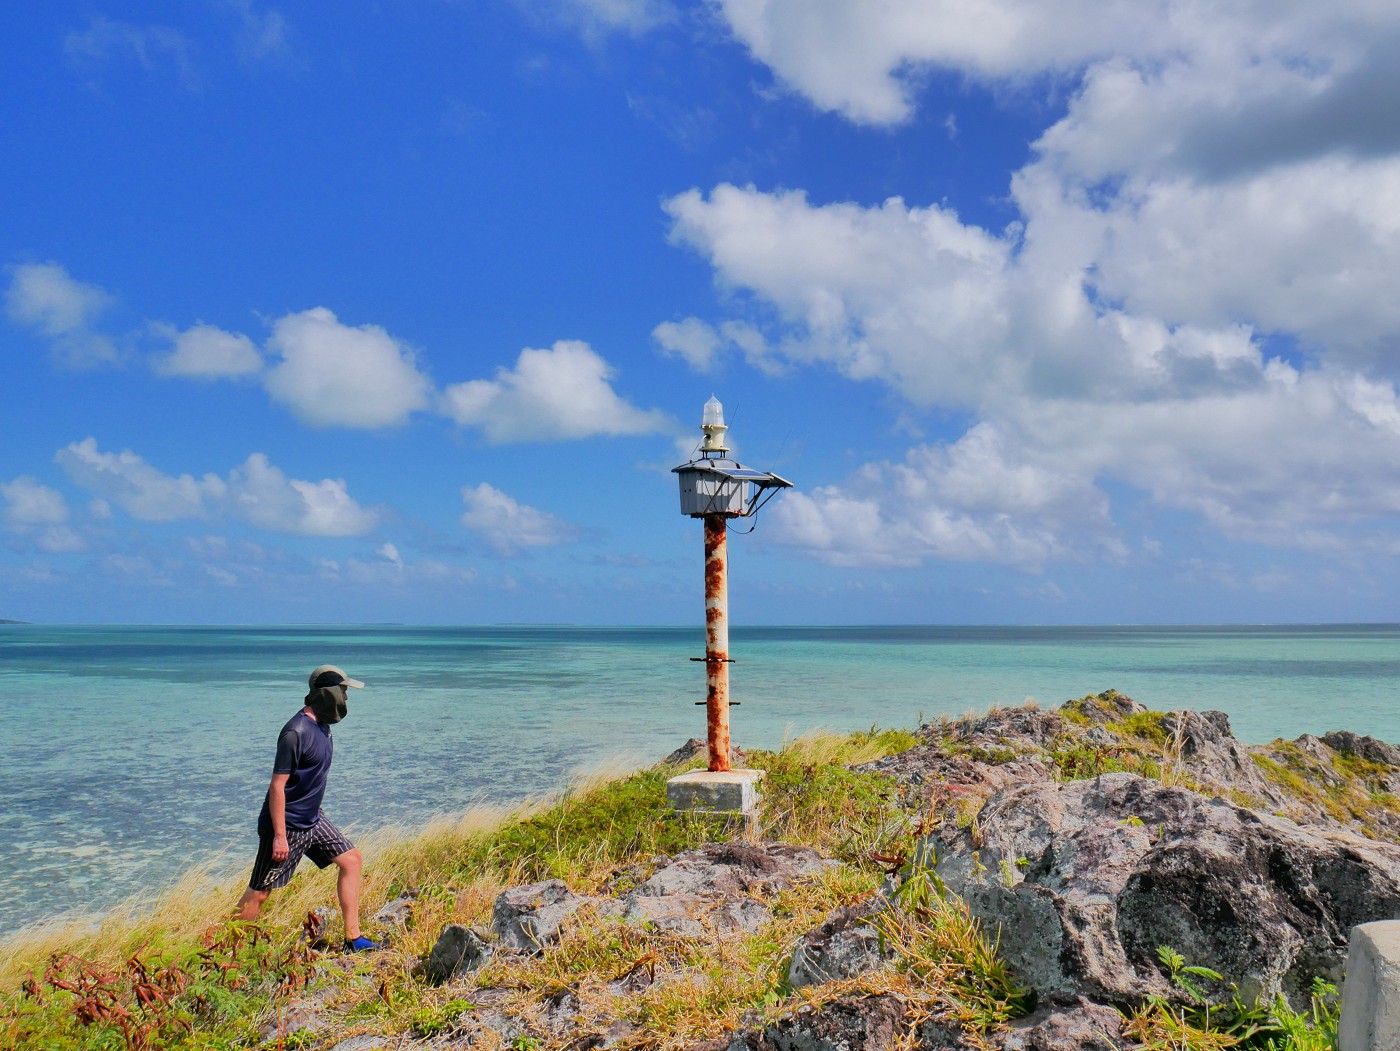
<point>205,893</point>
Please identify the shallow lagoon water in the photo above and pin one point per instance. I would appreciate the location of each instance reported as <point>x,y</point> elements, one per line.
<point>128,753</point>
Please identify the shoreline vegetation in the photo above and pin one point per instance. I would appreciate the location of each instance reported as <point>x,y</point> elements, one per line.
<point>895,941</point>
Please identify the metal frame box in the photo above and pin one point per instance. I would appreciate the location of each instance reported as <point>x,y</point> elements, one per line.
<point>706,491</point>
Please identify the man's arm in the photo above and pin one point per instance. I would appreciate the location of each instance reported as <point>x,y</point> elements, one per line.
<point>277,810</point>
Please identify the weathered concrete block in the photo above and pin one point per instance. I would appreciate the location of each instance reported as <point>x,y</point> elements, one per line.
<point>718,791</point>
<point>1371,992</point>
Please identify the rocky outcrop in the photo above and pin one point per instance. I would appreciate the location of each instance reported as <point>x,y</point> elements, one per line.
<point>845,945</point>
<point>1076,1025</point>
<point>459,950</point>
<point>396,914</point>
<point>732,869</point>
<point>1368,748</point>
<point>1199,747</point>
<point>863,1023</point>
<point>718,888</point>
<point>885,1022</point>
<point>1340,779</point>
<point>1087,879</point>
<point>696,748</point>
<point>528,918</point>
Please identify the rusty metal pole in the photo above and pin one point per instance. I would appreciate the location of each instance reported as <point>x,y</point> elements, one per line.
<point>717,641</point>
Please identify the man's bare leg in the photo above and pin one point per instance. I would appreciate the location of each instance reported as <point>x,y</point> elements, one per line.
<point>250,904</point>
<point>347,889</point>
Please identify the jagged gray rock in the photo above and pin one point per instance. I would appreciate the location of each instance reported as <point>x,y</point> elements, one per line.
<point>845,945</point>
<point>457,951</point>
<point>528,918</point>
<point>1207,750</point>
<point>1077,1026</point>
<point>697,746</point>
<point>714,889</point>
<point>863,1023</point>
<point>719,887</point>
<point>1086,879</point>
<point>1369,748</point>
<point>396,913</point>
<point>696,916</point>
<point>733,869</point>
<point>884,1022</point>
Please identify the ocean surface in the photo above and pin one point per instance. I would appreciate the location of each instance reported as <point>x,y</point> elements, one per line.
<point>129,753</point>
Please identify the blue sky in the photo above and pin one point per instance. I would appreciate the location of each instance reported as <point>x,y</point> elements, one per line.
<point>1054,311</point>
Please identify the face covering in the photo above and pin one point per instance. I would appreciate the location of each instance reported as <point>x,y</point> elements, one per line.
<point>328,704</point>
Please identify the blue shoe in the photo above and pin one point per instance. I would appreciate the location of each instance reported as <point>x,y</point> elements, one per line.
<point>360,944</point>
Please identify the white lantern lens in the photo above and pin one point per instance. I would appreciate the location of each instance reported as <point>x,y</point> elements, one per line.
<point>714,413</point>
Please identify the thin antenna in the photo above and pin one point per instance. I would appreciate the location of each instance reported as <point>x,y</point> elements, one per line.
<point>781,446</point>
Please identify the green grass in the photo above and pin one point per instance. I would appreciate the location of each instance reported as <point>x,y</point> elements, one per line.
<point>178,976</point>
<point>598,835</point>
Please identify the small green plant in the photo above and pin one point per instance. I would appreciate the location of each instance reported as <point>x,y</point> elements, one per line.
<point>1267,1024</point>
<point>978,868</point>
<point>432,1019</point>
<point>1186,977</point>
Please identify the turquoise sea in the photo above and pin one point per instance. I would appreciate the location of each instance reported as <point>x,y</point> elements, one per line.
<point>128,753</point>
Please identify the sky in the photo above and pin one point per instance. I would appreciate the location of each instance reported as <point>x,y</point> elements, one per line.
<point>1053,311</point>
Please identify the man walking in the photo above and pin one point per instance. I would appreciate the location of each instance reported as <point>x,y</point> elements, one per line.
<point>291,824</point>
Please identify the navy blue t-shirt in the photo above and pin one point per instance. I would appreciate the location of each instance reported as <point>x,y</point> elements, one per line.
<point>304,752</point>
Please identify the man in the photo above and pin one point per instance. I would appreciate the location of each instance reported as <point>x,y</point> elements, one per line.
<point>291,824</point>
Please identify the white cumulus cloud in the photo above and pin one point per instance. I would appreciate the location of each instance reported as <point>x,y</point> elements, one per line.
<point>965,502</point>
<point>207,352</point>
<point>691,339</point>
<point>906,294</point>
<point>45,297</point>
<point>262,495</point>
<point>34,510</point>
<point>256,492</point>
<point>507,525</point>
<point>554,394</point>
<point>867,61</point>
<point>336,375</point>
<point>28,502</point>
<point>1075,392</point>
<point>142,491</point>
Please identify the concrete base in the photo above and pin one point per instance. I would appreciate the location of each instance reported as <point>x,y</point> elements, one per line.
<point>715,791</point>
<point>1371,991</point>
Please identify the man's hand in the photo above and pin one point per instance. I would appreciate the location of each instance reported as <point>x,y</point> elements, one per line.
<point>277,812</point>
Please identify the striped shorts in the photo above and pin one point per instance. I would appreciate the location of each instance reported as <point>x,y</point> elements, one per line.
<point>322,843</point>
